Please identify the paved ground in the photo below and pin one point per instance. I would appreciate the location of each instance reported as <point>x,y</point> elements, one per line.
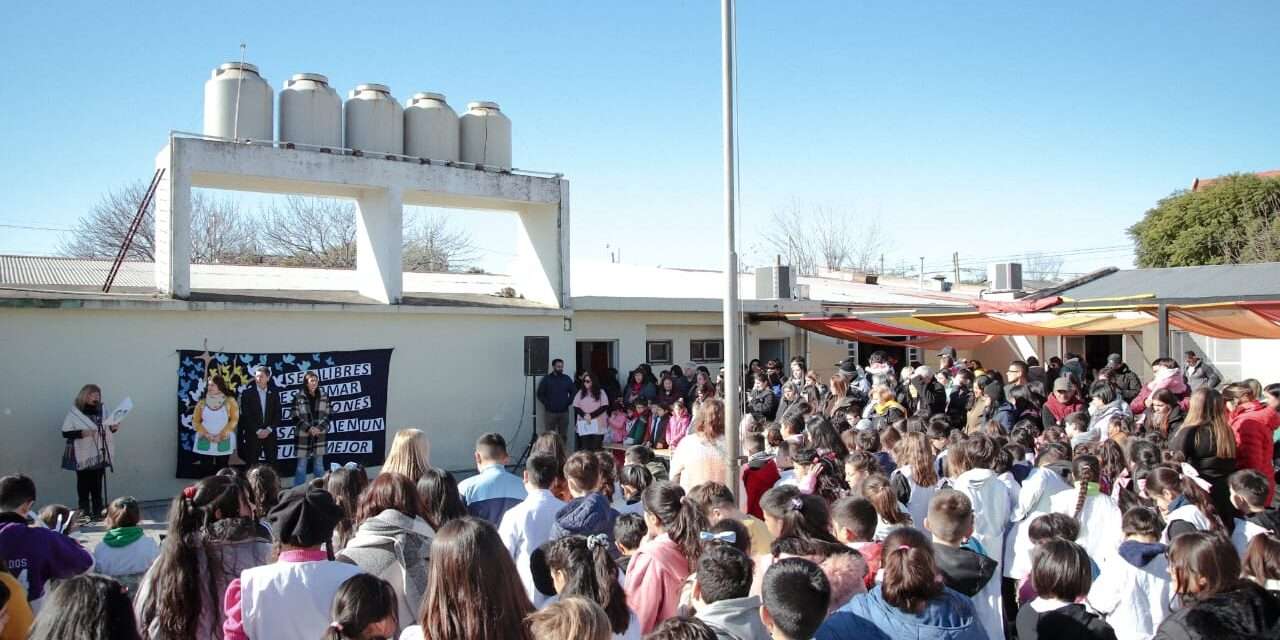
<point>153,522</point>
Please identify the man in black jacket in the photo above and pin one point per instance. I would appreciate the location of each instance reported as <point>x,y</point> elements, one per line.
<point>555,392</point>
<point>1126,381</point>
<point>259,417</point>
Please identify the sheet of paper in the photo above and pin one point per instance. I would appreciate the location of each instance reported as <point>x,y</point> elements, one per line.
<point>121,411</point>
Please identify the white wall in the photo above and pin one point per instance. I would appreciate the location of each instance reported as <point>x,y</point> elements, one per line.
<point>454,375</point>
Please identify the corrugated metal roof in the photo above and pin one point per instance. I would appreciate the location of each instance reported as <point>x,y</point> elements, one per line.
<point>1210,282</point>
<point>45,271</point>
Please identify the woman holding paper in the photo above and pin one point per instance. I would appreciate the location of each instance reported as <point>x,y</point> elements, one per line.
<point>90,448</point>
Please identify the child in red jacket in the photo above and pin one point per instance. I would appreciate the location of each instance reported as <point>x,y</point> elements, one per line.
<point>759,474</point>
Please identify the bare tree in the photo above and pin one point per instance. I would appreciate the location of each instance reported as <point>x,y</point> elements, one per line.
<point>432,244</point>
<point>809,237</point>
<point>1038,266</point>
<point>100,232</point>
<point>1261,241</point>
<point>220,233</point>
<point>789,234</point>
<point>311,232</point>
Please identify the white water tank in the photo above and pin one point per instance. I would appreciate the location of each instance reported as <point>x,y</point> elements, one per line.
<point>430,128</point>
<point>310,112</point>
<point>220,104</point>
<point>486,135</point>
<point>375,121</point>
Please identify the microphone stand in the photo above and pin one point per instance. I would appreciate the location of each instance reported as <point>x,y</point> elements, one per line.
<point>105,453</point>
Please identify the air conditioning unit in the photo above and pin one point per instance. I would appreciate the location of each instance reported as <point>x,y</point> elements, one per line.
<point>773,283</point>
<point>1005,276</point>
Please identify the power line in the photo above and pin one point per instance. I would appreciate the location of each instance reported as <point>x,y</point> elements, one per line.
<point>34,228</point>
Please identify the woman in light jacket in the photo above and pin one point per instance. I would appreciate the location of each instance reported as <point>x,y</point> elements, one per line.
<point>392,541</point>
<point>90,436</point>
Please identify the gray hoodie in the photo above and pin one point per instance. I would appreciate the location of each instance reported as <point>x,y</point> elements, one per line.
<point>734,619</point>
<point>396,548</point>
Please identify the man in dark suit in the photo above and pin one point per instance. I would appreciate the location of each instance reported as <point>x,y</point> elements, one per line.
<point>259,417</point>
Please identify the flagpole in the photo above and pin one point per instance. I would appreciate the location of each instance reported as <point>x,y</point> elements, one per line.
<point>732,364</point>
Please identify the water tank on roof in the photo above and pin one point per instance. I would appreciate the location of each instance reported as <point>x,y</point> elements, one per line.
<point>430,128</point>
<point>231,81</point>
<point>375,121</point>
<point>486,135</point>
<point>310,112</point>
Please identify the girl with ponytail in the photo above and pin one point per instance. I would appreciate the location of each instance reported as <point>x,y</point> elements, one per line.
<point>364,607</point>
<point>666,558</point>
<point>890,514</point>
<point>581,566</point>
<point>912,601</point>
<point>210,540</point>
<point>1100,518</point>
<point>1186,506</point>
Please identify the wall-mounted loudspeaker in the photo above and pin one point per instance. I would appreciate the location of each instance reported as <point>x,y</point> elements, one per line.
<point>537,355</point>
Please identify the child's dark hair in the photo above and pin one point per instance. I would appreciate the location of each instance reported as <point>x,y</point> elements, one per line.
<point>637,477</point>
<point>1061,570</point>
<point>773,436</point>
<point>979,452</point>
<point>802,516</point>
<point>1262,558</point>
<point>741,537</point>
<point>178,595</point>
<point>55,516</point>
<point>680,517</point>
<point>857,515</point>
<point>582,470</point>
<point>346,485</point>
<point>680,628</point>
<point>868,441</point>
<point>712,495</point>
<point>1052,526</point>
<point>796,593</point>
<point>361,602</point>
<point>1207,556</point>
<point>15,491</point>
<point>880,493</point>
<point>1084,470</point>
<point>542,469</point>
<point>950,515</point>
<point>724,573</point>
<point>591,573</point>
<point>1166,479</point>
<point>863,461</point>
<point>754,442</point>
<point>639,454</point>
<point>629,530</point>
<point>441,502</point>
<point>89,606</point>
<point>608,474</point>
<point>1142,521</point>
<point>910,571</point>
<point>1078,421</point>
<point>1252,486</point>
<point>264,483</point>
<point>123,512</point>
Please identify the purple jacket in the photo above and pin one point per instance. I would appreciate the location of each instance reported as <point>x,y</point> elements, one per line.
<point>35,555</point>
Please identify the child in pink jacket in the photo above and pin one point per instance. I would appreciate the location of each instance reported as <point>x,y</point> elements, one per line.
<point>663,561</point>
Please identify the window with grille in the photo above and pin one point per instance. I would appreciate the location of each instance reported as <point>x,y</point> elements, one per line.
<point>706,350</point>
<point>658,352</point>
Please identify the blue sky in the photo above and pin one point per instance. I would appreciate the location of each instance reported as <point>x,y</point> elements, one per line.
<point>991,129</point>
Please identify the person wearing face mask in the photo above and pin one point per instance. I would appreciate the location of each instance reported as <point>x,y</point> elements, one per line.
<point>90,448</point>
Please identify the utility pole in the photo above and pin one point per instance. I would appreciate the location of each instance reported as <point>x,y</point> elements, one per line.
<point>955,261</point>
<point>732,367</point>
<point>882,264</point>
<point>920,277</point>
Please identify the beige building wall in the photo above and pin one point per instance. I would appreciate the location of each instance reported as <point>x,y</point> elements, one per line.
<point>455,375</point>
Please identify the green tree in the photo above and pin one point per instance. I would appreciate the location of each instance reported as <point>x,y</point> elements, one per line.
<point>1234,220</point>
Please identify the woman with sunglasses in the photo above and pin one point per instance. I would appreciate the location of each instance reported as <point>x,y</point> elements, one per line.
<point>590,407</point>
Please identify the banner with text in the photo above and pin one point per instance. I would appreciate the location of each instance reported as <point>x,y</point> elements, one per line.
<point>354,381</point>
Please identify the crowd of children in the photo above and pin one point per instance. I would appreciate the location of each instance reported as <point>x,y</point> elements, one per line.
<point>867,507</point>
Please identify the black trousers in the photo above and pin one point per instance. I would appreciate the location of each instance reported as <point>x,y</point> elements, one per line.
<point>89,491</point>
